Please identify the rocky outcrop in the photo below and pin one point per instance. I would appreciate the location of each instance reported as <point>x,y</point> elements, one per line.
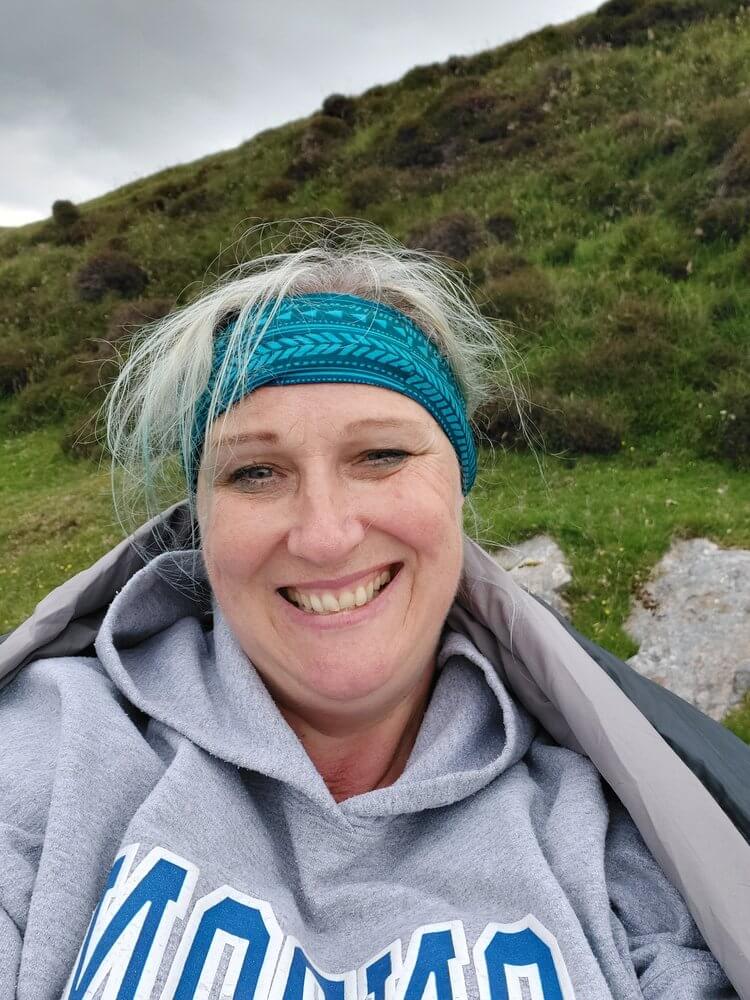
<point>692,620</point>
<point>540,566</point>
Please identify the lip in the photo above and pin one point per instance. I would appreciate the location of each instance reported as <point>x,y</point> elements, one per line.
<point>344,619</point>
<point>343,581</point>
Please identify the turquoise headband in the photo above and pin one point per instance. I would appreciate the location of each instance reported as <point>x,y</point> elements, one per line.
<point>330,337</point>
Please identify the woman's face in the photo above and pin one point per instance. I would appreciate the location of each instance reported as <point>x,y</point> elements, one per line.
<point>309,495</point>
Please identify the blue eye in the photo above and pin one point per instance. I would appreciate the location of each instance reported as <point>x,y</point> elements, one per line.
<point>260,474</point>
<point>239,474</point>
<point>392,455</point>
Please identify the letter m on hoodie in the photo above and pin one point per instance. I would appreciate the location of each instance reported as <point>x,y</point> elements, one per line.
<point>130,927</point>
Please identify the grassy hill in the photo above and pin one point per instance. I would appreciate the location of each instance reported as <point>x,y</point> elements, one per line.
<point>592,179</point>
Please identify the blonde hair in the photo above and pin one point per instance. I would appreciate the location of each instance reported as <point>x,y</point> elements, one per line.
<point>150,407</point>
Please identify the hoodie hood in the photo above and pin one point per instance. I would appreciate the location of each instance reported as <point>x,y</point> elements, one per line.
<point>157,646</point>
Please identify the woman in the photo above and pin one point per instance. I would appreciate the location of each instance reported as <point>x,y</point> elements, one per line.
<point>296,760</point>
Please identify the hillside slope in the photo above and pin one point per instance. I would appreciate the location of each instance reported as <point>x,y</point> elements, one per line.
<point>594,178</point>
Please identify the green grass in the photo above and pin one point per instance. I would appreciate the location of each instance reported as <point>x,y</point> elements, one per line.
<point>56,520</point>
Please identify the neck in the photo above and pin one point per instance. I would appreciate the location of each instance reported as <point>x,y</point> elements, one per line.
<point>357,758</point>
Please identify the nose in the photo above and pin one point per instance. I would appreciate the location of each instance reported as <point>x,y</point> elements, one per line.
<point>327,527</point>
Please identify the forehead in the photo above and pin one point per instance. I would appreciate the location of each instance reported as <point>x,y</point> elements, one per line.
<point>320,407</point>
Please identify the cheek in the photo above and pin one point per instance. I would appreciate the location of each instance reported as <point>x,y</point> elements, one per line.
<point>231,549</point>
<point>426,515</point>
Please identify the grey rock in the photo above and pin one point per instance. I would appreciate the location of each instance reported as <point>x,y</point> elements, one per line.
<point>540,566</point>
<point>741,683</point>
<point>692,620</point>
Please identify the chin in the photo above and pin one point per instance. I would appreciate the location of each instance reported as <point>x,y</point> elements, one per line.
<point>353,678</point>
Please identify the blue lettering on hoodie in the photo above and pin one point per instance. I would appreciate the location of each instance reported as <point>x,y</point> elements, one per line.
<point>131,932</point>
<point>131,925</point>
<point>226,917</point>
<point>435,959</point>
<point>380,976</point>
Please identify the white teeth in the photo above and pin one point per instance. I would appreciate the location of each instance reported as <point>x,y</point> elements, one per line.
<point>346,600</point>
<point>327,603</point>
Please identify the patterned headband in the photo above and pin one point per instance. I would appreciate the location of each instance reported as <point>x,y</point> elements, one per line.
<point>331,337</point>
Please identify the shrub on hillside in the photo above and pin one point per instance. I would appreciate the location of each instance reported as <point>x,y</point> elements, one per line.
<point>10,245</point>
<point>422,76</point>
<point>157,199</point>
<point>644,244</point>
<point>635,123</point>
<point>191,203</point>
<point>574,425</point>
<point>494,263</point>
<point>715,359</point>
<point>279,189</point>
<point>322,134</point>
<point>412,144</point>
<point>478,64</point>
<point>15,366</point>
<point>719,123</point>
<point>55,398</point>
<point>340,106</point>
<point>550,41</point>
<point>499,263</point>
<point>503,226</point>
<point>367,187</point>
<point>315,146</point>
<point>322,130</point>
<point>524,296</point>
<point>670,136</point>
<point>304,166</point>
<point>632,346</point>
<point>674,262</point>
<point>561,251</point>
<point>75,235</point>
<point>127,317</point>
<point>726,428</point>
<point>82,440</point>
<point>468,112</point>
<point>65,213</point>
<point>641,146</point>
<point>645,136</point>
<point>66,228</point>
<point>578,426</point>
<point>109,271</point>
<point>729,304</point>
<point>627,22</point>
<point>734,171</point>
<point>637,359</point>
<point>457,235</point>
<point>728,217</point>
<point>639,314</point>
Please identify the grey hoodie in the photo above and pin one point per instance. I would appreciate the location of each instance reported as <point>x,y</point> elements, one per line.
<point>164,834</point>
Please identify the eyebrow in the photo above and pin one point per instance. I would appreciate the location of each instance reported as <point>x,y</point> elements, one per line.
<point>368,423</point>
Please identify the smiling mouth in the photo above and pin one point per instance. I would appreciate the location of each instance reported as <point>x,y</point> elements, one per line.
<point>327,603</point>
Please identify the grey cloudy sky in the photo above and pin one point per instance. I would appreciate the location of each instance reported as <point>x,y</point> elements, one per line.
<point>96,93</point>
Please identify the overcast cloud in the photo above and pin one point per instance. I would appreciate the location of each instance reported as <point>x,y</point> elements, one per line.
<point>96,94</point>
